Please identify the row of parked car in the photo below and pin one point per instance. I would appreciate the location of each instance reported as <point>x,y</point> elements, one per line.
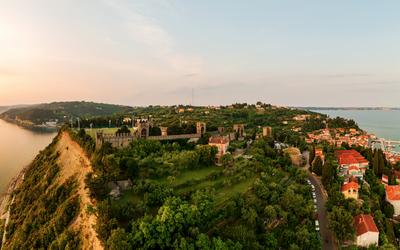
<point>315,204</point>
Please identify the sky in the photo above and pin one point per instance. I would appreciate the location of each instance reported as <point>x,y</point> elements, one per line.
<point>284,52</point>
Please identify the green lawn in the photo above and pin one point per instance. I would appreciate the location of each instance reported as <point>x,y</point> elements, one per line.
<point>227,192</point>
<point>194,174</point>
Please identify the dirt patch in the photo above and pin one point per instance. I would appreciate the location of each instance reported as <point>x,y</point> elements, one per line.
<point>74,162</point>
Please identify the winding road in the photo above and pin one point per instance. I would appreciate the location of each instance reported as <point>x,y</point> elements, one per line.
<point>328,240</point>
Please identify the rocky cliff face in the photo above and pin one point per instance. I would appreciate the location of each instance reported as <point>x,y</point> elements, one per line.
<point>50,206</point>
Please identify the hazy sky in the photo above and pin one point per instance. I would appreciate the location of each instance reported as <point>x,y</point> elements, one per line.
<point>327,53</point>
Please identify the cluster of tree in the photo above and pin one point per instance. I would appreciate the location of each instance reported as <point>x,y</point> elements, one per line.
<point>276,211</point>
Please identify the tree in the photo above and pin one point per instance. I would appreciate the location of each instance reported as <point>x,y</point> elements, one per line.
<point>341,224</point>
<point>327,173</point>
<point>119,240</point>
<point>227,160</point>
<point>123,130</point>
<point>317,166</point>
<point>312,155</point>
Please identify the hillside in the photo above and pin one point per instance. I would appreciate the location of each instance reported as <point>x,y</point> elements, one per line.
<point>49,208</point>
<point>62,112</point>
<point>172,194</point>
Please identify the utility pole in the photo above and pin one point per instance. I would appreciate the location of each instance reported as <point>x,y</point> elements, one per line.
<point>79,123</point>
<point>109,123</point>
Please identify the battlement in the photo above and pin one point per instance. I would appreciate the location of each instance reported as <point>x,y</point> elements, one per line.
<point>122,140</point>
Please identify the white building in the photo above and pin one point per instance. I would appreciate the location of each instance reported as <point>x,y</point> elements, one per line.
<point>367,234</point>
<point>393,197</point>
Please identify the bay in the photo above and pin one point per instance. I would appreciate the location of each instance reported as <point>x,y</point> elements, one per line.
<point>18,147</point>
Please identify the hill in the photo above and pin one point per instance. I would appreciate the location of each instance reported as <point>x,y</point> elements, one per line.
<point>61,112</point>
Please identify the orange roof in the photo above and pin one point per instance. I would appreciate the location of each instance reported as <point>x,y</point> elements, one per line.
<point>349,157</point>
<point>218,140</point>
<point>350,185</point>
<point>393,192</point>
<point>364,223</point>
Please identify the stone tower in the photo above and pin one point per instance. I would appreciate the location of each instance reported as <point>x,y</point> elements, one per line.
<point>239,130</point>
<point>200,128</point>
<point>143,128</point>
<point>267,131</point>
<point>99,139</point>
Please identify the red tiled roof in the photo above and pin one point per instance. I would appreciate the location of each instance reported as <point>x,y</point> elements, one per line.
<point>393,192</point>
<point>218,140</point>
<point>349,157</point>
<point>349,185</point>
<point>364,223</point>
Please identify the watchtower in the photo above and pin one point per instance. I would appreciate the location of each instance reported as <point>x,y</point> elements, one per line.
<point>164,131</point>
<point>200,128</point>
<point>267,131</point>
<point>239,130</point>
<point>99,139</point>
<point>143,128</point>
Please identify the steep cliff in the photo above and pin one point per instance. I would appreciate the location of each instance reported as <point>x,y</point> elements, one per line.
<point>50,207</point>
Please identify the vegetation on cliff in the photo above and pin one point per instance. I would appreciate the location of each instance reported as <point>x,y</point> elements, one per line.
<point>43,208</point>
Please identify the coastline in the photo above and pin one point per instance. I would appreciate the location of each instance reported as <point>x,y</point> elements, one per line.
<point>31,126</point>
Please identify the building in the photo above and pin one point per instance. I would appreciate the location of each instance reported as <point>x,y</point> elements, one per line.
<point>367,234</point>
<point>385,180</point>
<point>319,152</point>
<point>393,197</point>
<point>355,172</point>
<point>348,158</point>
<point>221,142</point>
<point>350,190</point>
<point>267,131</point>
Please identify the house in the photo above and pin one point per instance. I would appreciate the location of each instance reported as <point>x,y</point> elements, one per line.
<point>319,152</point>
<point>393,197</point>
<point>355,172</point>
<point>221,142</point>
<point>367,234</point>
<point>347,158</point>
<point>350,190</point>
<point>385,180</point>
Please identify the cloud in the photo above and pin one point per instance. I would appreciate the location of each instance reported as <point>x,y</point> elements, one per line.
<point>150,34</point>
<point>346,75</point>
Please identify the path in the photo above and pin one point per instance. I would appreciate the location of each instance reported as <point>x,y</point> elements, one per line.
<point>73,161</point>
<point>328,242</point>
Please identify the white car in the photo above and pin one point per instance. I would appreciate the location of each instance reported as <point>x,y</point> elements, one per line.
<point>315,201</point>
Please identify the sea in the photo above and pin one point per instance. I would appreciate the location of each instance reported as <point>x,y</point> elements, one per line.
<point>382,123</point>
<point>18,147</point>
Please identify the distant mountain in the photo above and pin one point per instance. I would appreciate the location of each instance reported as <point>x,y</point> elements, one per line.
<point>61,111</point>
<point>5,108</point>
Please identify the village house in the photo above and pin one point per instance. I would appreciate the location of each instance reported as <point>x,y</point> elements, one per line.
<point>367,234</point>
<point>221,142</point>
<point>319,152</point>
<point>350,190</point>
<point>393,197</point>
<point>349,158</point>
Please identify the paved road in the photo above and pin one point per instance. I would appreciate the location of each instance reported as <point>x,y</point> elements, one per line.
<point>328,242</point>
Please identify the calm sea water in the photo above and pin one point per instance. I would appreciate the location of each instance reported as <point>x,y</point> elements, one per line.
<point>18,147</point>
<point>382,123</point>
